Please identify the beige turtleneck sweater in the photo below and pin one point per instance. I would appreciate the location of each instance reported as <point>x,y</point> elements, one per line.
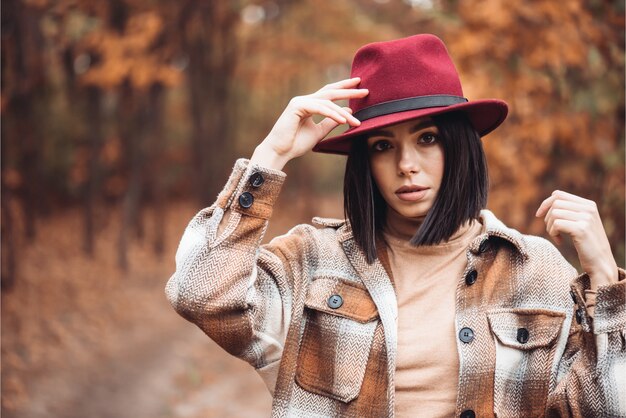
<point>426,279</point>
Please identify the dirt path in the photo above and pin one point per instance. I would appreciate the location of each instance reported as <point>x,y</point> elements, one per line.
<point>167,368</point>
<point>176,372</point>
<point>80,339</point>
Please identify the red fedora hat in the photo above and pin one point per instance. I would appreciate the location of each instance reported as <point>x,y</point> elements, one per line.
<point>409,78</point>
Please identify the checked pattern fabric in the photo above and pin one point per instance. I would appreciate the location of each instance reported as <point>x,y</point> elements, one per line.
<point>318,323</point>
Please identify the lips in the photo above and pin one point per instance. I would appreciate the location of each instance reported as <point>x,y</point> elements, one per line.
<point>410,189</point>
<point>412,193</point>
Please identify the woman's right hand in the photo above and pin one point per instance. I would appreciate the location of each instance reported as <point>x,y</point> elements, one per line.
<point>295,132</point>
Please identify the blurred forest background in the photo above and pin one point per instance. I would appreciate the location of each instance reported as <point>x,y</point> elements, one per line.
<point>120,119</point>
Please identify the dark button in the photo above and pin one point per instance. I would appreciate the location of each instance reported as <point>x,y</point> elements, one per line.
<point>466,335</point>
<point>256,180</point>
<point>468,414</point>
<point>246,199</point>
<point>484,246</point>
<point>579,315</point>
<point>471,277</point>
<point>335,301</point>
<point>573,295</point>
<point>522,335</point>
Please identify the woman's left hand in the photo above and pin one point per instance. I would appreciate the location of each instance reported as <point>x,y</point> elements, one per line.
<point>565,213</point>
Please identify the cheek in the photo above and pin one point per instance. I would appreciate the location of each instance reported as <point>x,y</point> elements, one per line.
<point>438,172</point>
<point>436,164</point>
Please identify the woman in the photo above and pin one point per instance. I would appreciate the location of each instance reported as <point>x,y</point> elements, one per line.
<point>422,303</point>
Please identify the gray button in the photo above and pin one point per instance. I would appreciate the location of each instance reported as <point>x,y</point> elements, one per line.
<point>335,301</point>
<point>256,180</point>
<point>522,335</point>
<point>246,199</point>
<point>466,335</point>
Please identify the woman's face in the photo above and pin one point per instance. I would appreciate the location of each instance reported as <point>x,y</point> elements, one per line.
<point>407,163</point>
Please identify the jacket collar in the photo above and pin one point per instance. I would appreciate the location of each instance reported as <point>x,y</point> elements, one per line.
<point>492,227</point>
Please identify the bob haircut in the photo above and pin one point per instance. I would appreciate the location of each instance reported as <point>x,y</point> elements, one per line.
<point>462,194</point>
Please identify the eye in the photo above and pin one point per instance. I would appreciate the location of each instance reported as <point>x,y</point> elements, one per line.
<point>380,145</point>
<point>428,138</point>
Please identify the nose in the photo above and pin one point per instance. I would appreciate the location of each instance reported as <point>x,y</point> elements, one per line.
<point>408,162</point>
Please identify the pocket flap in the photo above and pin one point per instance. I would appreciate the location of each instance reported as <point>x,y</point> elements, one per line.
<point>526,329</point>
<point>356,302</point>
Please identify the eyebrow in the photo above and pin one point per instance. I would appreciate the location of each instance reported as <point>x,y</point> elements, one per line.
<point>417,127</point>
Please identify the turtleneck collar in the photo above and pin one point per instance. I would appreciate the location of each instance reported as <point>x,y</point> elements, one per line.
<point>491,227</point>
<point>399,230</point>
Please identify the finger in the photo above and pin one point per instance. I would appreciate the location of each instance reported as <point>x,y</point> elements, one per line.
<point>569,201</point>
<point>351,119</point>
<point>566,209</point>
<point>341,94</point>
<point>570,205</point>
<point>583,222</point>
<point>326,125</point>
<point>555,233</point>
<point>341,111</point>
<point>345,113</point>
<point>563,226</point>
<point>545,206</point>
<point>561,195</point>
<point>557,195</point>
<point>342,84</point>
<point>323,109</point>
<point>564,214</point>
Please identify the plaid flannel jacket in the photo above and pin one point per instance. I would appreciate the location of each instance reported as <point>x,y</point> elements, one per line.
<point>318,322</point>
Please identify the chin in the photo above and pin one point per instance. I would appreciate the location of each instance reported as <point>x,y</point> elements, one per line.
<point>416,216</point>
<point>412,214</point>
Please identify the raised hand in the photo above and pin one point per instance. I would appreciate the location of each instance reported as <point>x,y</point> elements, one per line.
<point>295,132</point>
<point>565,213</point>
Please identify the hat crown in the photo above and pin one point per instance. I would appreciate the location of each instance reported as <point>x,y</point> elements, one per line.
<point>409,67</point>
<point>409,78</point>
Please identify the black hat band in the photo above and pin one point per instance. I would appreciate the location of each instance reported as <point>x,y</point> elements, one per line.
<point>411,103</point>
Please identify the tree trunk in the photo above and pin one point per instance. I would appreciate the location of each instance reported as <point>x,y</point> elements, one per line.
<point>155,150</point>
<point>22,83</point>
<point>133,123</point>
<point>209,40</point>
<point>9,244</point>
<point>92,187</point>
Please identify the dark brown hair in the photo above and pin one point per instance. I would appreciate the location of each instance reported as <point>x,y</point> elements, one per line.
<point>461,196</point>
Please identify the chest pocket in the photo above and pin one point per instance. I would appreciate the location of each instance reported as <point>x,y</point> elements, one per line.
<point>341,319</point>
<point>525,346</point>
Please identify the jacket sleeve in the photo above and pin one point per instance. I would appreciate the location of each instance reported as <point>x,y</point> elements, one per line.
<point>592,373</point>
<point>238,292</point>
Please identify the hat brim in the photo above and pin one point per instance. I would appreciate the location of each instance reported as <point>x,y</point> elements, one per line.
<point>485,115</point>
